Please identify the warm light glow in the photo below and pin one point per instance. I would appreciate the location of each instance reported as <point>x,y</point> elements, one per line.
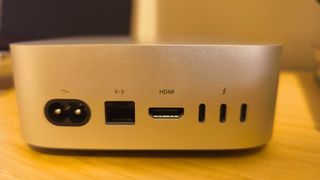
<point>145,25</point>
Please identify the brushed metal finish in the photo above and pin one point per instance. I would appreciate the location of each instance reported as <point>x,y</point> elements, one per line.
<point>198,73</point>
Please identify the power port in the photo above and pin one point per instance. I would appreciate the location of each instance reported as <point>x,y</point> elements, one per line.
<point>120,112</point>
<point>67,112</point>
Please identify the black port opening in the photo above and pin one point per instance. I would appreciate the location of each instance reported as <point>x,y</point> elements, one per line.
<point>119,112</point>
<point>202,113</point>
<point>67,112</point>
<point>223,113</point>
<point>166,113</point>
<point>243,113</point>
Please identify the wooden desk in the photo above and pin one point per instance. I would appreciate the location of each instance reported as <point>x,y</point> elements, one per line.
<point>293,152</point>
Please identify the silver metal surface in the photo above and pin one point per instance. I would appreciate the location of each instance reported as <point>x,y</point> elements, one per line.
<point>95,72</point>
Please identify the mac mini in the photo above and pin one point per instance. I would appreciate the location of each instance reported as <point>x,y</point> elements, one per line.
<point>101,93</point>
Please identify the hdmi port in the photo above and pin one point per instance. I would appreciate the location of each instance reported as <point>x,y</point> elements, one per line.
<point>166,113</point>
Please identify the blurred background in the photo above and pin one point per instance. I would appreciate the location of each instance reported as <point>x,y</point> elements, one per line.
<point>35,19</point>
<point>293,23</point>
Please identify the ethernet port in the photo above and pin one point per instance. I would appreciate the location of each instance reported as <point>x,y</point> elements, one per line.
<point>119,112</point>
